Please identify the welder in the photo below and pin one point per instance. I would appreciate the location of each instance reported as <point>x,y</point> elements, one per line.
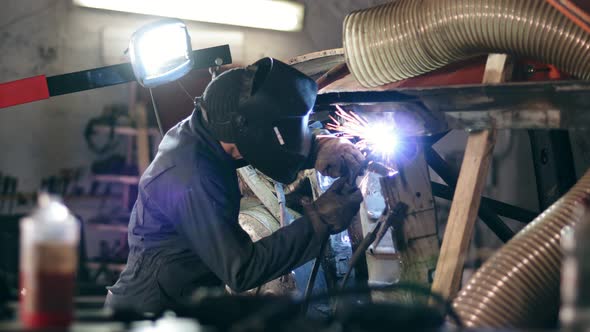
<point>184,231</point>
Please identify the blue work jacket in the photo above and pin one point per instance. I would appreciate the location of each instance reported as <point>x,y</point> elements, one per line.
<point>184,232</point>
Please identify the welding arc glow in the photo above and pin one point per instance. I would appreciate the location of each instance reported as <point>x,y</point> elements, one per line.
<point>379,137</point>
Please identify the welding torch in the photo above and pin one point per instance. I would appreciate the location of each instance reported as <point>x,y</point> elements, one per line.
<point>367,165</point>
<point>315,219</point>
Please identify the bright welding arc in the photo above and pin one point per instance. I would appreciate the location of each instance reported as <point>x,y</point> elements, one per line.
<point>379,137</point>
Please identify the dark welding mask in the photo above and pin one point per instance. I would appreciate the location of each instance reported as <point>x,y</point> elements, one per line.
<point>270,125</point>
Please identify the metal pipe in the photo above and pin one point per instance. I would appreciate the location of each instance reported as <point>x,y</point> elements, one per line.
<point>501,208</point>
<point>487,215</point>
<point>497,225</point>
<point>407,38</point>
<point>519,285</point>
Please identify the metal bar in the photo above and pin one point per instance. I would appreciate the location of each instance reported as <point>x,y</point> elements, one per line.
<point>90,79</point>
<point>503,209</point>
<point>463,94</point>
<point>497,225</point>
<point>440,166</point>
<point>314,272</point>
<point>311,213</point>
<point>212,56</point>
<point>485,213</point>
<point>327,99</point>
<point>123,73</point>
<point>23,91</point>
<point>554,164</point>
<point>558,104</point>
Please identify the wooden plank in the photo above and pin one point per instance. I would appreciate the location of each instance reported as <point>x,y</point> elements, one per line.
<point>419,260</point>
<point>124,130</point>
<point>413,188</point>
<point>142,138</point>
<point>463,212</point>
<point>472,179</point>
<point>420,248</point>
<point>125,179</point>
<point>495,69</point>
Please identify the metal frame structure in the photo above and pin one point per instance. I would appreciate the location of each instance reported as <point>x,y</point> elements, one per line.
<point>480,109</point>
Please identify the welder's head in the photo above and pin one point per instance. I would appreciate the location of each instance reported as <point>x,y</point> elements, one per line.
<point>263,109</point>
<point>220,99</point>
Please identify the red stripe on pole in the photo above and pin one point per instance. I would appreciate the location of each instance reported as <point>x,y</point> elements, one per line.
<point>23,91</point>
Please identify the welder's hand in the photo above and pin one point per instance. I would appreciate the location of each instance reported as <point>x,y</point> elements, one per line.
<point>335,208</point>
<point>336,156</point>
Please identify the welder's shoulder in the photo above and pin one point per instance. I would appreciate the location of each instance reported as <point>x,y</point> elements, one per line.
<point>180,170</point>
<point>170,186</point>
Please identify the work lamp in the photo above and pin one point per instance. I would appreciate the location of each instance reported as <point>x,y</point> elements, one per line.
<point>161,52</point>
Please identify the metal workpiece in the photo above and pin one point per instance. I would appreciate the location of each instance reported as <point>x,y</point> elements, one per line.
<point>317,64</point>
<point>396,212</point>
<point>393,216</point>
<point>406,226</point>
<point>528,105</point>
<point>394,222</point>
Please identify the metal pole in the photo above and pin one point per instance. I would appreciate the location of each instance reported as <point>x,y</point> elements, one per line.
<point>450,176</point>
<point>501,208</point>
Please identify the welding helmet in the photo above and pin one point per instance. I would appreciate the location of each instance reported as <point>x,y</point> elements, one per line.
<point>264,109</point>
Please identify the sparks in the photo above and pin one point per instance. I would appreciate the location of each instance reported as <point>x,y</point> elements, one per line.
<point>378,137</point>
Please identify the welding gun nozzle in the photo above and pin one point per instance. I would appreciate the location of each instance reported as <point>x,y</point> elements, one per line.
<point>379,168</point>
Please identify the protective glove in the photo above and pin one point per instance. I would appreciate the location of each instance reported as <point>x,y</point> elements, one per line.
<point>336,157</point>
<point>334,210</point>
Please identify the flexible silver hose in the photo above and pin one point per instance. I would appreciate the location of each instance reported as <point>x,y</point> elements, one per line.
<point>519,285</point>
<point>407,38</point>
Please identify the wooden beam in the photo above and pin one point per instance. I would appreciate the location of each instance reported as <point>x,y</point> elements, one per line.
<point>142,138</point>
<point>495,71</point>
<point>472,179</point>
<point>415,253</point>
<point>463,212</point>
<point>420,253</point>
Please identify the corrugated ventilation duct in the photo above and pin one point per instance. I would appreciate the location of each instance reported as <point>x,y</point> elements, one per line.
<point>519,285</point>
<point>407,38</point>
